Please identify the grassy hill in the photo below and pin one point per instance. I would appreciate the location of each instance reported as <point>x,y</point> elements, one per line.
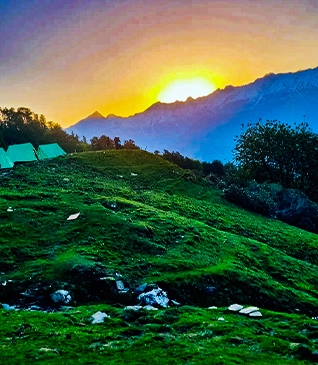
<point>144,220</point>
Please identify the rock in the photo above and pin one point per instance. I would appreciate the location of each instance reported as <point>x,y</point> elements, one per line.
<point>133,307</point>
<point>99,317</point>
<point>132,174</point>
<point>221,319</point>
<point>209,289</point>
<point>140,289</point>
<point>8,307</point>
<point>255,314</point>
<point>175,303</point>
<point>248,310</point>
<point>150,308</point>
<point>35,308</point>
<point>120,285</point>
<point>156,297</point>
<point>213,307</point>
<point>73,216</point>
<point>61,296</point>
<point>235,307</point>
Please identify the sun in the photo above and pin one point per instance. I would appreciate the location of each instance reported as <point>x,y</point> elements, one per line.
<point>182,89</point>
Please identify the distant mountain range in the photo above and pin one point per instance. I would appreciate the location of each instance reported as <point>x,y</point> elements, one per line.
<point>205,128</point>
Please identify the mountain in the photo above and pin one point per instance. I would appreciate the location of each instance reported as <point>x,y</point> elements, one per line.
<point>205,128</point>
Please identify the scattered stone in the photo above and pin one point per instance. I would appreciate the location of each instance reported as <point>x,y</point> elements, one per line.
<point>150,308</point>
<point>140,289</point>
<point>61,296</point>
<point>66,179</point>
<point>213,307</point>
<point>133,307</point>
<point>156,297</point>
<point>256,314</point>
<point>99,317</point>
<point>46,349</point>
<point>10,209</point>
<point>221,319</point>
<point>120,285</point>
<point>73,216</point>
<point>315,318</point>
<point>8,307</point>
<point>132,174</point>
<point>248,310</point>
<point>235,307</point>
<point>175,303</point>
<point>35,308</point>
<point>121,176</point>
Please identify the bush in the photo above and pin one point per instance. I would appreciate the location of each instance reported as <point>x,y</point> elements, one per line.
<point>288,205</point>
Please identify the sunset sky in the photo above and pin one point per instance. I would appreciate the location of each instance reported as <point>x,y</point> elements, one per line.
<point>65,59</point>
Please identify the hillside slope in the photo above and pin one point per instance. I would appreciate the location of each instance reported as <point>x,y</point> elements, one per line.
<point>143,219</point>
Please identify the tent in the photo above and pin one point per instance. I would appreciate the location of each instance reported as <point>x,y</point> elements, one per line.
<point>5,162</point>
<point>21,153</point>
<point>50,151</point>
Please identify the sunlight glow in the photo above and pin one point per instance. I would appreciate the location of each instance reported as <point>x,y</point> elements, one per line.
<point>183,89</point>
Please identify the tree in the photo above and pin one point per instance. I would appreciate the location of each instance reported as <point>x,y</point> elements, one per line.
<point>117,142</point>
<point>276,152</point>
<point>130,145</point>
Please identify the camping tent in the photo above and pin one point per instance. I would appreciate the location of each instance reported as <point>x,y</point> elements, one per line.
<point>50,151</point>
<point>21,153</point>
<point>5,162</point>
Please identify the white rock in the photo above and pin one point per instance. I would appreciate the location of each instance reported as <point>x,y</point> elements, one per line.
<point>221,319</point>
<point>154,297</point>
<point>61,296</point>
<point>73,216</point>
<point>255,314</point>
<point>213,307</point>
<point>235,307</point>
<point>132,174</point>
<point>8,307</point>
<point>9,209</point>
<point>99,317</point>
<point>120,285</point>
<point>248,310</point>
<point>150,308</point>
<point>133,307</point>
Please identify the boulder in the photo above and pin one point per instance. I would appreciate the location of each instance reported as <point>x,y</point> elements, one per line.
<point>61,297</point>
<point>155,297</point>
<point>133,307</point>
<point>99,317</point>
<point>256,314</point>
<point>140,289</point>
<point>248,310</point>
<point>150,308</point>
<point>235,307</point>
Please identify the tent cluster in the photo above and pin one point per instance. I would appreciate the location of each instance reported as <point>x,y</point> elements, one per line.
<point>25,152</point>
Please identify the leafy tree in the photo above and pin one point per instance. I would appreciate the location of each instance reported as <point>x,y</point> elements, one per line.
<point>130,145</point>
<point>277,153</point>
<point>117,142</point>
<point>215,167</point>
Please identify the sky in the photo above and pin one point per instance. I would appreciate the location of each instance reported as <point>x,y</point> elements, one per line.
<point>67,58</point>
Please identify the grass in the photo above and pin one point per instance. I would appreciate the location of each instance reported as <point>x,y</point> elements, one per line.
<point>149,221</point>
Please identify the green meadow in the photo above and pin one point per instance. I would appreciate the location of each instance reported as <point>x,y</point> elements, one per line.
<point>145,220</point>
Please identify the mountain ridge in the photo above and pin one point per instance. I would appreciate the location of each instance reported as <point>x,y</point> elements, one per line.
<point>205,127</point>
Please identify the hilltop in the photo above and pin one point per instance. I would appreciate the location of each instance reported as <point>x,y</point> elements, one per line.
<point>145,220</point>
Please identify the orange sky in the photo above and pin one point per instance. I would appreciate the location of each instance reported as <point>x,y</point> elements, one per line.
<point>68,60</point>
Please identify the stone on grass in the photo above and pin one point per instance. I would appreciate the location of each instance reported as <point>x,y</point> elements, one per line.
<point>133,307</point>
<point>120,285</point>
<point>73,216</point>
<point>235,307</point>
<point>214,307</point>
<point>156,297</point>
<point>61,297</point>
<point>175,303</point>
<point>99,317</point>
<point>140,289</point>
<point>248,310</point>
<point>150,308</point>
<point>8,307</point>
<point>221,319</point>
<point>256,314</point>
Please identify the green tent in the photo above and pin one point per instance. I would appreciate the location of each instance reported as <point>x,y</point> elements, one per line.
<point>5,162</point>
<point>21,153</point>
<point>50,151</point>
